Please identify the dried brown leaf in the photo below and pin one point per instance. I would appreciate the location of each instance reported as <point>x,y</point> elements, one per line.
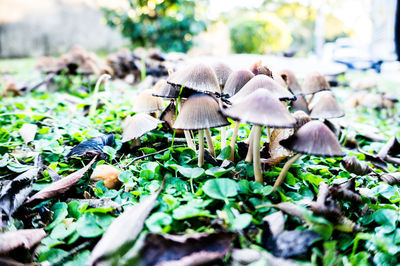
<point>277,151</point>
<point>61,185</point>
<point>26,238</point>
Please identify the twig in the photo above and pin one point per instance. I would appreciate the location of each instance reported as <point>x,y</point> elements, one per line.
<point>148,155</point>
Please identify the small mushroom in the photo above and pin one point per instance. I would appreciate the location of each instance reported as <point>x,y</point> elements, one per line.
<point>200,112</point>
<point>109,174</point>
<point>135,126</point>
<point>326,107</point>
<point>236,81</point>
<point>313,138</point>
<point>145,102</point>
<point>260,108</point>
<point>314,82</point>
<point>222,71</point>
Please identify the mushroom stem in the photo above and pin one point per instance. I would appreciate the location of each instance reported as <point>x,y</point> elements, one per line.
<point>309,101</point>
<point>285,169</point>
<point>201,148</point>
<point>209,142</point>
<point>249,156</point>
<point>233,141</point>
<point>189,140</point>
<point>223,138</point>
<point>269,134</point>
<point>256,154</point>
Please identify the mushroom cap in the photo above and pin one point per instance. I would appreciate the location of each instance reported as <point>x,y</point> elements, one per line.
<point>236,81</point>
<point>165,90</point>
<point>287,78</point>
<point>301,118</point>
<point>200,111</point>
<point>222,71</point>
<point>263,81</point>
<point>137,125</point>
<point>314,82</point>
<point>199,77</point>
<point>146,102</point>
<point>326,107</point>
<point>314,138</point>
<point>300,104</point>
<point>258,69</point>
<point>261,108</point>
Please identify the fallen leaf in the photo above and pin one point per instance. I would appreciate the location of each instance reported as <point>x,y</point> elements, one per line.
<point>26,238</point>
<point>276,222</point>
<point>61,185</point>
<point>277,151</point>
<point>14,193</point>
<point>92,147</point>
<point>181,250</point>
<point>355,166</point>
<point>123,231</point>
<point>391,148</point>
<point>109,174</point>
<point>28,132</point>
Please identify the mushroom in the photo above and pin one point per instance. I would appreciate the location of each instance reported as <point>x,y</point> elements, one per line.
<point>200,112</point>
<point>326,107</point>
<point>259,81</point>
<point>313,138</point>
<point>260,108</point>
<point>145,102</point>
<point>135,126</point>
<point>222,71</point>
<point>108,173</point>
<point>314,82</point>
<point>258,69</point>
<point>236,81</point>
<point>169,117</point>
<point>197,77</point>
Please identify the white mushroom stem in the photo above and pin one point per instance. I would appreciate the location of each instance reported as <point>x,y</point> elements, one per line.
<point>189,140</point>
<point>269,134</point>
<point>223,138</point>
<point>201,148</point>
<point>256,154</point>
<point>249,156</point>
<point>233,141</point>
<point>209,142</point>
<point>285,169</point>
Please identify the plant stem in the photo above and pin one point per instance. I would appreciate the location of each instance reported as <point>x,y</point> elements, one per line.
<point>201,148</point>
<point>285,169</point>
<point>223,138</point>
<point>189,140</point>
<point>93,106</point>
<point>233,141</point>
<point>256,154</point>
<point>249,156</point>
<point>209,142</point>
<point>176,114</point>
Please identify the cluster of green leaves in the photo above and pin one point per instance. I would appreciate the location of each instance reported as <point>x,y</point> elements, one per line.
<point>168,24</point>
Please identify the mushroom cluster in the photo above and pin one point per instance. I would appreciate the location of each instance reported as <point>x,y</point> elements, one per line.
<point>202,97</point>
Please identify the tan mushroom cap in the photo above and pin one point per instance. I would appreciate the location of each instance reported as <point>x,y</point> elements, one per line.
<point>314,82</point>
<point>326,107</point>
<point>314,138</point>
<point>137,125</point>
<point>222,71</point>
<point>258,69</point>
<point>301,118</point>
<point>146,102</point>
<point>300,104</point>
<point>165,90</point>
<point>199,77</point>
<point>236,81</point>
<point>263,81</point>
<point>200,111</point>
<point>261,108</point>
<point>287,78</point>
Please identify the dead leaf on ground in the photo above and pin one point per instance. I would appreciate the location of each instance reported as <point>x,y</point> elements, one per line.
<point>26,238</point>
<point>191,249</point>
<point>123,231</point>
<point>61,185</point>
<point>92,147</point>
<point>28,132</point>
<point>15,192</point>
<point>276,151</point>
<point>355,166</point>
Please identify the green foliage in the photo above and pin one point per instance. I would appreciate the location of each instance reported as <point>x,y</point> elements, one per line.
<point>259,33</point>
<point>168,24</point>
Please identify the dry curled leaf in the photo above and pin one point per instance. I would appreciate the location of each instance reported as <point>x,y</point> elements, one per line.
<point>22,238</point>
<point>391,178</point>
<point>185,250</point>
<point>277,151</point>
<point>61,185</point>
<point>355,166</point>
<point>123,231</point>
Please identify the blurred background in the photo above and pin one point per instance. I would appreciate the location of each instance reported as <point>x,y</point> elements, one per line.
<point>353,34</point>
